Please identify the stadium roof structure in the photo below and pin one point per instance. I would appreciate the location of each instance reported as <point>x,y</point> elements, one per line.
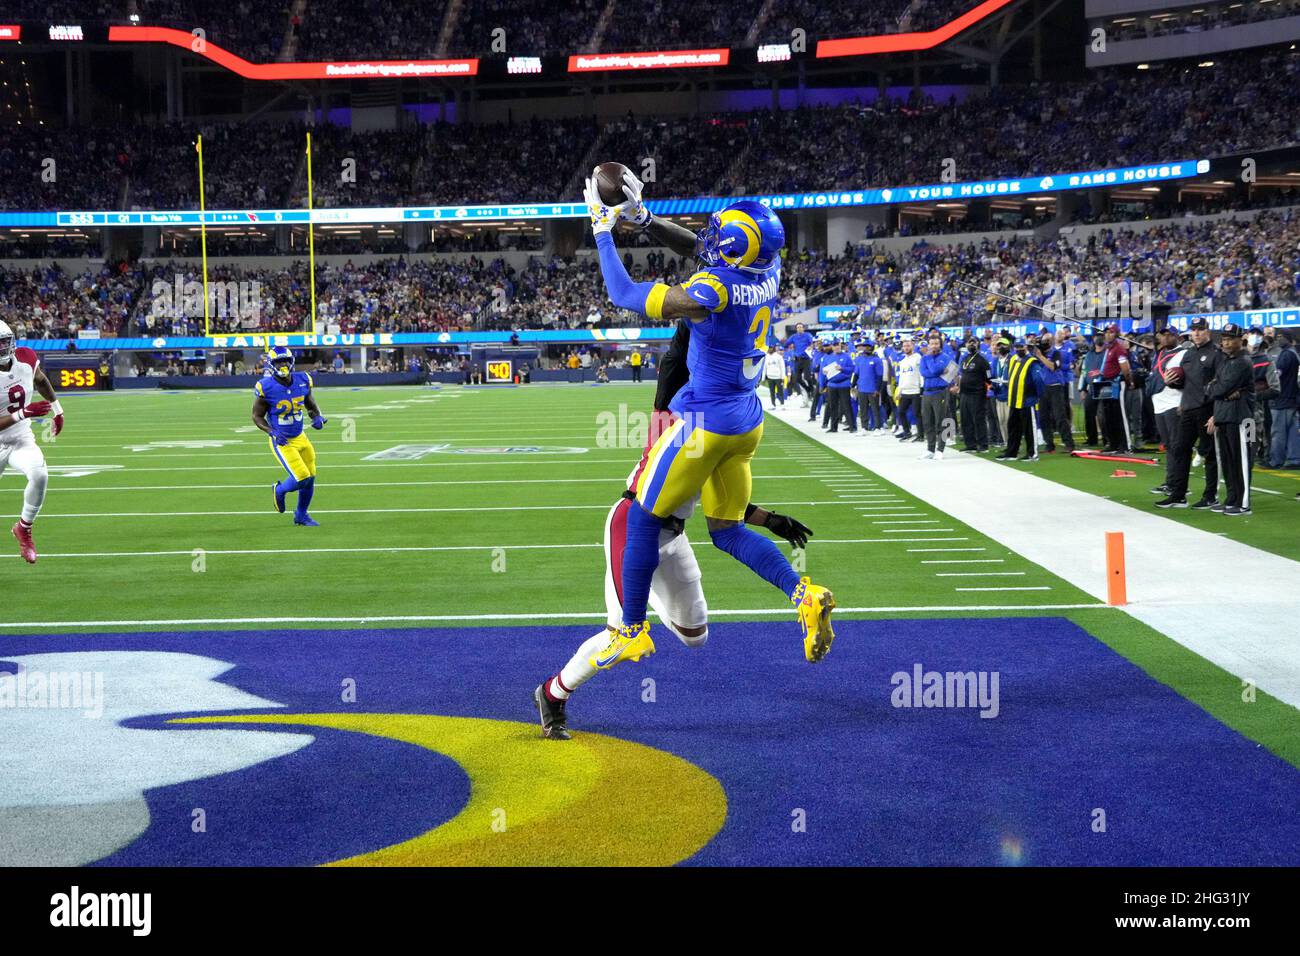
<point>980,13</point>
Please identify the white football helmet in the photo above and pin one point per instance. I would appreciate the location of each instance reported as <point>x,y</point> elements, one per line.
<point>7,342</point>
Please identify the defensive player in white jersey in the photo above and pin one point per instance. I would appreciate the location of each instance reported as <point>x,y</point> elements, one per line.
<point>20,378</point>
<point>676,590</point>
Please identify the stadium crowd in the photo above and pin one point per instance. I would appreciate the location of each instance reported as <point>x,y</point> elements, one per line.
<point>369,29</point>
<point>1118,118</point>
<point>1200,265</point>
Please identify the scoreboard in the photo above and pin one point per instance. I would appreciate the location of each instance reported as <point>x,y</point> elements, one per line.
<point>74,375</point>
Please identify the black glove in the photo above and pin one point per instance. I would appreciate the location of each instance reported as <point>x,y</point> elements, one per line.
<point>786,527</point>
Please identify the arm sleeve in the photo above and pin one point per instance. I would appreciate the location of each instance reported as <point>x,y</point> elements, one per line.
<point>672,369</point>
<point>644,297</point>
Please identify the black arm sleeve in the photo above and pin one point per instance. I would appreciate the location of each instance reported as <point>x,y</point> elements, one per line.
<point>672,370</point>
<point>1233,375</point>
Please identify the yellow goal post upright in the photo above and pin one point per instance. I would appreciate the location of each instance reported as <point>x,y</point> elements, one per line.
<point>203,240</point>
<point>311,238</point>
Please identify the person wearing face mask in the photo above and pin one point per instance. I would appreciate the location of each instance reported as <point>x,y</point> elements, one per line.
<point>908,370</point>
<point>1165,397</point>
<point>1055,411</point>
<point>974,397</point>
<point>1024,388</point>
<point>998,385</point>
<point>1090,372</point>
<point>1117,373</point>
<point>1284,449</point>
<point>1233,396</point>
<point>1262,366</point>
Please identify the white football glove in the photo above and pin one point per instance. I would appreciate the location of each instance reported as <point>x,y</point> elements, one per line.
<point>637,213</point>
<point>603,218</point>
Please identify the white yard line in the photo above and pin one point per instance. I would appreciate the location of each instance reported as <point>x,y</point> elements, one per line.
<point>395,549</point>
<point>979,574</point>
<point>604,506</point>
<point>1040,587</point>
<point>1224,600</point>
<point>69,484</point>
<point>531,616</point>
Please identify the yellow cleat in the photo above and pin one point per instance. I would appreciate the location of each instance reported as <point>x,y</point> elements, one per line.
<point>815,604</point>
<point>629,642</point>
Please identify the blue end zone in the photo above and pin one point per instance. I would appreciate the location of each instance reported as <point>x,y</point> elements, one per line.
<point>1079,728</point>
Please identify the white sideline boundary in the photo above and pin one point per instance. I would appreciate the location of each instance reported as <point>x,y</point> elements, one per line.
<point>1253,634</point>
<point>550,616</point>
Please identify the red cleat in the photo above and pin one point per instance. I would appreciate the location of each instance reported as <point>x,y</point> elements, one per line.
<point>25,545</point>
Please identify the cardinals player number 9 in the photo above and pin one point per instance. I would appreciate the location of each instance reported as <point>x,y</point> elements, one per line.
<point>21,381</point>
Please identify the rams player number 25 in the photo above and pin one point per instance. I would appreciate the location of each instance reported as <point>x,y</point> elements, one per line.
<point>280,401</point>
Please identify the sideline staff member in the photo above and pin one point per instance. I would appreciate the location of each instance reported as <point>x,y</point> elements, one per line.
<point>1233,394</point>
<point>1201,363</point>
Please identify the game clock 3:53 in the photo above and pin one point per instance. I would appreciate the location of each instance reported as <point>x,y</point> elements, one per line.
<point>75,377</point>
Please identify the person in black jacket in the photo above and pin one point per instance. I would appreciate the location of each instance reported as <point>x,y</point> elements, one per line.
<point>1233,422</point>
<point>1201,365</point>
<point>975,379</point>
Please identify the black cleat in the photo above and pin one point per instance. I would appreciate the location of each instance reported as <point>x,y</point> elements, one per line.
<point>1205,504</point>
<point>1170,501</point>
<point>552,715</point>
<point>1160,490</point>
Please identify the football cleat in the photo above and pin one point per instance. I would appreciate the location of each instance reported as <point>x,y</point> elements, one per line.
<point>629,642</point>
<point>279,497</point>
<point>25,545</point>
<point>552,715</point>
<point>305,521</point>
<point>815,604</point>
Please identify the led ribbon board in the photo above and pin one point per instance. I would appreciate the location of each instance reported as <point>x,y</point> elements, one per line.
<point>794,202</point>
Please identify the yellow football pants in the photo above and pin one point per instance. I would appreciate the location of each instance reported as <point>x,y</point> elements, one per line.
<point>297,455</point>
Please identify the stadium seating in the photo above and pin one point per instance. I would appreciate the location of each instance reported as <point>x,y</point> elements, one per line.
<point>1121,117</point>
<point>1202,265</point>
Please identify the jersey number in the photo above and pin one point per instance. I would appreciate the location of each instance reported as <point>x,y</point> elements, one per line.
<point>288,411</point>
<point>762,319</point>
<point>17,399</point>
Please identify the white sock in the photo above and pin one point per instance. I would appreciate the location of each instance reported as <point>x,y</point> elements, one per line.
<point>579,670</point>
<point>34,496</point>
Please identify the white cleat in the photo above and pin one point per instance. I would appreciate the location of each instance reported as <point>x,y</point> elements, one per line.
<point>925,455</point>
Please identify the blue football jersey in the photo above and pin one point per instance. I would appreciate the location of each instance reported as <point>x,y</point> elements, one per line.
<point>725,357</point>
<point>287,401</point>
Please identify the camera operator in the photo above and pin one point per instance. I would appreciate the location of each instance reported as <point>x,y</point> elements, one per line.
<point>1054,413</point>
<point>1114,380</point>
<point>1089,373</point>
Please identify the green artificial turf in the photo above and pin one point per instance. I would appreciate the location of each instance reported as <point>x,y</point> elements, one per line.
<point>505,525</point>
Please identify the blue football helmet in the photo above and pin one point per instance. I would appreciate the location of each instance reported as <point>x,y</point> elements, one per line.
<point>280,361</point>
<point>746,235</point>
